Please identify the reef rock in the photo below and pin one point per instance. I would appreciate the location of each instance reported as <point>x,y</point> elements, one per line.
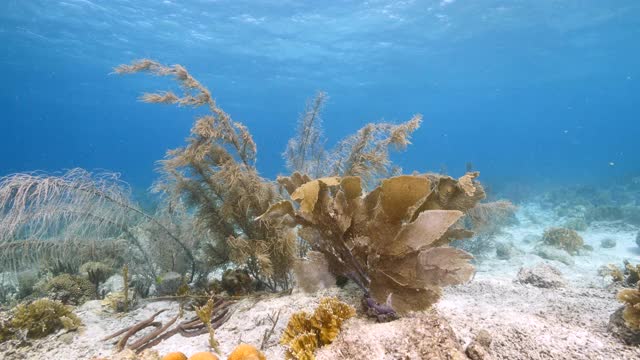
<point>506,250</point>
<point>541,275</point>
<point>115,283</point>
<point>420,335</point>
<point>608,243</point>
<point>619,329</point>
<point>479,347</point>
<point>169,283</point>
<point>551,253</point>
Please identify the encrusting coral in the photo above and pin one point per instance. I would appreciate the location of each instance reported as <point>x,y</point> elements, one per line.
<point>563,238</point>
<point>305,333</point>
<point>39,318</point>
<point>392,242</point>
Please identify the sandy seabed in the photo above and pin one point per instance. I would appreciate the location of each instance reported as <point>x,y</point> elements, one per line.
<point>525,322</point>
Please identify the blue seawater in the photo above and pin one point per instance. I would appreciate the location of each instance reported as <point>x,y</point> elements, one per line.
<point>530,92</point>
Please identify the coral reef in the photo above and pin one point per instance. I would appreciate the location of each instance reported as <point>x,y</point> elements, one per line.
<point>562,238</point>
<point>69,289</point>
<point>39,318</point>
<point>391,242</point>
<point>305,333</point>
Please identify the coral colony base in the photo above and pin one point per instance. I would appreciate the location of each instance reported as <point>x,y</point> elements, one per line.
<point>345,258</point>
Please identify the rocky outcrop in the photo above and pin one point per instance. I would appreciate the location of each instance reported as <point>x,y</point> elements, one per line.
<point>420,335</point>
<point>620,330</point>
<point>541,275</point>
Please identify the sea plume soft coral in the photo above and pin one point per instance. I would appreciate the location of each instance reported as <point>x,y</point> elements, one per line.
<point>61,215</point>
<point>305,152</point>
<point>215,174</point>
<point>364,154</point>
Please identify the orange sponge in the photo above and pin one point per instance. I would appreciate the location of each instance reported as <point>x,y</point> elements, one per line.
<point>203,356</point>
<point>175,356</point>
<point>246,352</point>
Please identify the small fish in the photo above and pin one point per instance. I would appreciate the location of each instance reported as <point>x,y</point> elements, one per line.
<point>611,163</point>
